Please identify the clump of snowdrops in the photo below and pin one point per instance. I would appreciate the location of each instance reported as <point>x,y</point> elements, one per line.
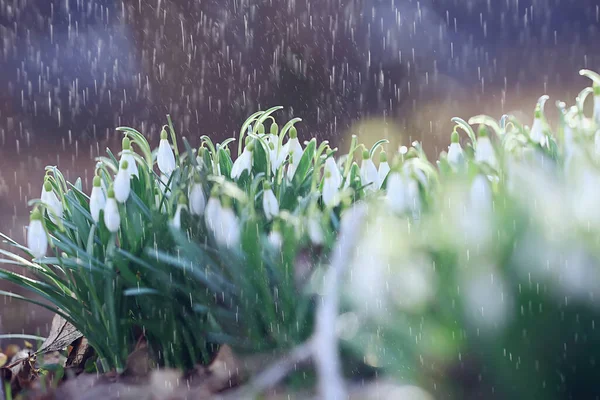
<point>471,263</point>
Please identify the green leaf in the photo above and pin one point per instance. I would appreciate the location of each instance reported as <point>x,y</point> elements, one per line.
<point>305,164</point>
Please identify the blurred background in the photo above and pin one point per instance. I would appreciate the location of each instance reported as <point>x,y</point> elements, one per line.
<point>73,70</point>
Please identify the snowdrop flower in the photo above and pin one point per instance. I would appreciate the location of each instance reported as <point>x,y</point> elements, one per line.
<point>384,169</point>
<point>165,157</point>
<point>275,238</point>
<point>197,198</point>
<point>97,199</point>
<point>455,152</point>
<point>368,172</point>
<point>37,241</point>
<point>277,154</point>
<point>485,151</point>
<point>176,221</point>
<point>223,223</point>
<point>403,193</point>
<point>269,202</point>
<point>295,151</point>
<point>536,133</point>
<point>127,155</point>
<point>112,219</point>
<point>331,183</point>
<point>52,203</point>
<point>243,162</point>
<point>212,212</point>
<point>122,184</point>
<point>315,231</point>
<point>480,195</point>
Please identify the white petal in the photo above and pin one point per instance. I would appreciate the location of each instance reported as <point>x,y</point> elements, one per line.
<point>212,213</point>
<point>54,205</point>
<point>275,239</point>
<point>369,175</point>
<point>241,164</point>
<point>122,186</point>
<point>315,232</point>
<point>127,155</point>
<point>455,154</point>
<point>112,219</point>
<point>197,199</point>
<point>227,229</point>
<point>165,157</point>
<point>397,197</point>
<point>97,202</point>
<point>37,241</point>
<point>270,204</point>
<point>537,132</point>
<point>382,173</point>
<point>176,222</point>
<point>485,152</point>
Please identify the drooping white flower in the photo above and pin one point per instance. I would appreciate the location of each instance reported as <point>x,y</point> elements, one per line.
<point>480,195</point>
<point>331,183</point>
<point>127,155</point>
<point>384,169</point>
<point>165,157</point>
<point>197,198</point>
<point>295,151</point>
<point>37,241</point>
<point>277,154</point>
<point>402,193</point>
<point>315,231</point>
<point>212,212</point>
<point>52,203</point>
<point>122,184</point>
<point>455,152</point>
<point>243,162</point>
<point>176,221</point>
<point>112,219</point>
<point>269,202</point>
<point>536,133</point>
<point>485,152</point>
<point>275,238</point>
<point>368,173</point>
<point>97,199</point>
<point>226,229</point>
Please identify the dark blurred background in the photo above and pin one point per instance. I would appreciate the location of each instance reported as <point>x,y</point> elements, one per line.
<point>73,70</point>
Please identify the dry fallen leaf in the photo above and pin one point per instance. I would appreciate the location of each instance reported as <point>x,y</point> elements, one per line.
<point>62,334</point>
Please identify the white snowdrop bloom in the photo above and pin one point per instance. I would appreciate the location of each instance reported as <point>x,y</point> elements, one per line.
<point>53,205</point>
<point>165,157</point>
<point>455,152</point>
<point>536,132</point>
<point>481,194</point>
<point>315,231</point>
<point>384,169</point>
<point>97,199</point>
<point>176,221</point>
<point>295,151</point>
<point>275,238</point>
<point>585,197</point>
<point>197,198</point>
<point>331,183</point>
<point>212,212</point>
<point>37,241</point>
<point>368,172</point>
<point>127,155</point>
<point>277,154</point>
<point>112,219</point>
<point>402,193</point>
<point>485,152</point>
<point>269,202</point>
<point>226,229</point>
<point>243,162</point>
<point>122,183</point>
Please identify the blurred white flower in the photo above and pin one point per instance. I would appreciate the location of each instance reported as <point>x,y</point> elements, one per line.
<point>585,197</point>
<point>227,228</point>
<point>368,172</point>
<point>536,133</point>
<point>176,221</point>
<point>269,202</point>
<point>402,193</point>
<point>384,169</point>
<point>275,238</point>
<point>455,152</point>
<point>165,157</point>
<point>485,152</point>
<point>480,195</point>
<point>197,199</point>
<point>97,199</point>
<point>315,231</point>
<point>243,162</point>
<point>295,151</point>
<point>52,203</point>
<point>112,219</point>
<point>331,183</point>
<point>277,154</point>
<point>212,212</point>
<point>37,241</point>
<point>122,183</point>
